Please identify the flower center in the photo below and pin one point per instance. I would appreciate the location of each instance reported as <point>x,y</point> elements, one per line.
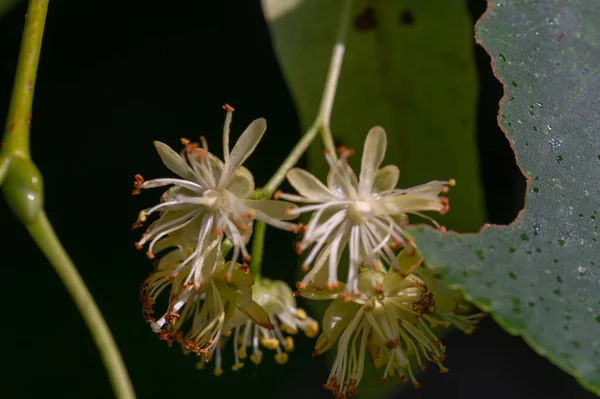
<point>213,198</point>
<point>359,211</point>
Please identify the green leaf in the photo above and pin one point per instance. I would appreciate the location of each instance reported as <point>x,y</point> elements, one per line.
<point>540,276</point>
<point>409,67</point>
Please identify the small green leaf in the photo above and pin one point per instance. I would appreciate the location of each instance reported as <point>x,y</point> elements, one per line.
<point>547,54</point>
<point>23,189</point>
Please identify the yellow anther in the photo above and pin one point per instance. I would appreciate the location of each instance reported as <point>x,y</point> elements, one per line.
<point>200,365</point>
<point>452,182</point>
<point>444,369</point>
<point>301,314</point>
<point>256,358</point>
<point>227,333</point>
<point>237,366</point>
<point>287,329</point>
<point>312,330</point>
<point>242,353</point>
<point>289,344</point>
<point>269,343</point>
<point>281,358</point>
<point>142,216</point>
<point>218,372</point>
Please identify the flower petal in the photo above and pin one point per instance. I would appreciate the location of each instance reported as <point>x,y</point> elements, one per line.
<point>408,261</point>
<point>173,160</point>
<point>407,203</point>
<point>312,292</point>
<point>258,315</point>
<point>241,183</point>
<point>308,185</point>
<point>444,303</point>
<point>386,179</point>
<point>342,181</point>
<point>272,209</point>
<point>431,188</point>
<point>337,317</point>
<point>243,148</point>
<point>373,153</point>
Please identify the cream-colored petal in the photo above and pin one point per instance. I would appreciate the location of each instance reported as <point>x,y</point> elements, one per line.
<point>308,185</point>
<point>239,278</point>
<point>173,160</point>
<point>433,188</point>
<point>408,261</point>
<point>272,208</point>
<point>241,183</point>
<point>257,314</point>
<point>373,154</point>
<point>368,280</point>
<point>395,283</point>
<point>337,317</point>
<point>171,259</point>
<point>243,148</point>
<point>312,292</point>
<point>342,182</point>
<point>407,203</point>
<point>386,179</point>
<point>444,303</point>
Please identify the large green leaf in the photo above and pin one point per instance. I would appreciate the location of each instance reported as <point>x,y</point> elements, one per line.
<point>540,276</point>
<point>409,67</point>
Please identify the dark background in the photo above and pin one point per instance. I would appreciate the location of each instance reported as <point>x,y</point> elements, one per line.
<point>115,75</point>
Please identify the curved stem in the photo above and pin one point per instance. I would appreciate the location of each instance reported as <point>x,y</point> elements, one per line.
<point>258,245</point>
<point>16,146</point>
<point>43,234</point>
<point>322,121</point>
<point>19,114</point>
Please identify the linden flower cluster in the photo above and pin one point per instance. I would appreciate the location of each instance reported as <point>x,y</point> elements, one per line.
<point>386,307</point>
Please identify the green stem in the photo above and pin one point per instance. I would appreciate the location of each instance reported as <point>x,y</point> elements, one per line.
<point>16,147</point>
<point>19,114</point>
<point>322,121</point>
<point>258,245</point>
<point>43,234</point>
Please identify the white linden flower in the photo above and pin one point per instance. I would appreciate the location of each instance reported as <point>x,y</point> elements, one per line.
<point>210,200</point>
<point>383,320</point>
<point>277,300</point>
<point>367,213</point>
<point>197,318</point>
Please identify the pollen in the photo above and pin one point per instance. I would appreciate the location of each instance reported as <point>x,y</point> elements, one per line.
<point>312,330</point>
<point>452,182</point>
<point>269,343</point>
<point>281,358</point>
<point>277,194</point>
<point>289,344</point>
<point>256,358</point>
<point>228,108</point>
<point>301,314</point>
<point>238,366</point>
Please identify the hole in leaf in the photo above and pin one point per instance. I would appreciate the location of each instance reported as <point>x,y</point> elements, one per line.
<point>503,183</point>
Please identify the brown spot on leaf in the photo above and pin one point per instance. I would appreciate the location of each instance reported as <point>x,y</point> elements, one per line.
<point>366,20</point>
<point>407,17</point>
